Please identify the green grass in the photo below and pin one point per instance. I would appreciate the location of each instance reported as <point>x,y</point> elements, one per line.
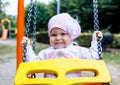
<point>6,49</point>
<point>40,46</point>
<point>112,57</point>
<point>7,52</point>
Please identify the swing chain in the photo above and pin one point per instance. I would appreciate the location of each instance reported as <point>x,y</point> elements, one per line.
<point>25,51</point>
<point>34,26</point>
<point>27,29</point>
<point>33,6</point>
<point>95,11</point>
<point>29,19</point>
<point>96,26</point>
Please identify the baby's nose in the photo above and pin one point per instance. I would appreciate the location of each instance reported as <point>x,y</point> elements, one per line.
<point>58,37</point>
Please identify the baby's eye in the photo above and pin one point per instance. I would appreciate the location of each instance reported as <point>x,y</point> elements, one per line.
<point>53,35</point>
<point>63,34</point>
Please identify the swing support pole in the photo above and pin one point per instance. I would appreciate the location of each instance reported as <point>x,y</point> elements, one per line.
<point>20,31</point>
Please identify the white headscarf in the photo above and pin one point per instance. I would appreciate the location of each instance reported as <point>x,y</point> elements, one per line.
<point>65,22</point>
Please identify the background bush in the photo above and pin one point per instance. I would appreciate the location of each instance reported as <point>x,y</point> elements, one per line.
<point>83,40</point>
<point>42,37</point>
<point>116,41</point>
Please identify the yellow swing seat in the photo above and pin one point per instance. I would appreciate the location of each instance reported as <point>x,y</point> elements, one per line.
<point>61,67</point>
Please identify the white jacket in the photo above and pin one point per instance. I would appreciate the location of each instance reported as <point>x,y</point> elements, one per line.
<point>69,52</point>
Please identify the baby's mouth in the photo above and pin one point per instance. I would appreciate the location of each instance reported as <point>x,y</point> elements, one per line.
<point>59,43</point>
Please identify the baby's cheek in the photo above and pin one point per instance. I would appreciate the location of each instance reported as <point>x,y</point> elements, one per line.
<point>51,42</point>
<point>68,42</point>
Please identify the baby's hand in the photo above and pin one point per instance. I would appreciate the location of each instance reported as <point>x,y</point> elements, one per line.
<point>97,34</point>
<point>25,41</point>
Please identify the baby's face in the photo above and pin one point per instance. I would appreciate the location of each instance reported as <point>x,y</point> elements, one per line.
<point>59,38</point>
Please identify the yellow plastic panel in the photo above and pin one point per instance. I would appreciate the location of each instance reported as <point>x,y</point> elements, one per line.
<point>61,67</point>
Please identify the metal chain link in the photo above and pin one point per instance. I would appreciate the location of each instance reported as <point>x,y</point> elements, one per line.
<point>27,28</point>
<point>29,19</point>
<point>96,26</point>
<point>33,6</point>
<point>34,26</point>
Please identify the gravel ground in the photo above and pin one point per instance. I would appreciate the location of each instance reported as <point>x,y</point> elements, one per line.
<point>7,72</point>
<point>8,64</point>
<point>8,68</point>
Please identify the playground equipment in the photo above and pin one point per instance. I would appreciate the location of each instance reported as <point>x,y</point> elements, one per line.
<point>60,67</point>
<point>6,26</point>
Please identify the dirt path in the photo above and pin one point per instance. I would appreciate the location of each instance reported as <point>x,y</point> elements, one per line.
<point>8,67</point>
<point>7,63</point>
<point>9,42</point>
<point>7,72</point>
<point>115,74</point>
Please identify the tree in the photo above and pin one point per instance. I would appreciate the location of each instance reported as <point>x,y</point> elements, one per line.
<point>110,15</point>
<point>2,14</point>
<point>81,9</point>
<point>42,16</point>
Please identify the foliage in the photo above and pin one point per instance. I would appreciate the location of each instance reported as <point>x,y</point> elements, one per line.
<point>13,20</point>
<point>2,8</point>
<point>42,16</point>
<point>81,9</point>
<point>83,40</point>
<point>6,24</point>
<point>116,42</point>
<point>52,8</point>
<point>42,37</point>
<point>109,14</point>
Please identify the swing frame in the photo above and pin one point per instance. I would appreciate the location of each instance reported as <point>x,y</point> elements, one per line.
<point>20,32</point>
